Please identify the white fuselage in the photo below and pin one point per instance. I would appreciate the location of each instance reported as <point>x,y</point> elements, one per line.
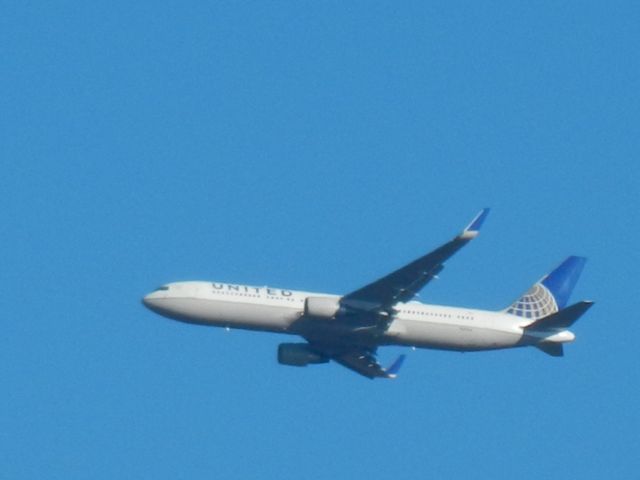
<point>277,310</point>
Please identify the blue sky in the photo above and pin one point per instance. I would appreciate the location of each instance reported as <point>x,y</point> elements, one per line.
<point>314,146</point>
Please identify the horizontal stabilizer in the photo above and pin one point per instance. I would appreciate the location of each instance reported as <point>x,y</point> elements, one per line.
<point>553,349</point>
<point>562,319</point>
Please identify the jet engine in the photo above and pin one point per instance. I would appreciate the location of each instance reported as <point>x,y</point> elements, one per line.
<point>298,355</point>
<point>322,307</point>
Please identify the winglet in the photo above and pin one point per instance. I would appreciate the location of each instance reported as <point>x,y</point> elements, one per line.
<point>392,371</point>
<point>473,228</point>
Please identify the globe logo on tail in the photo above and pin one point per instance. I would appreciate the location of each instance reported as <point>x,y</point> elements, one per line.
<point>537,303</point>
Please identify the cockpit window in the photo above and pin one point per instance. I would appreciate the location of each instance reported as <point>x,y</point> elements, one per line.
<point>163,287</point>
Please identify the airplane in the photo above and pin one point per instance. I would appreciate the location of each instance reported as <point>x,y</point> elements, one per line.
<point>349,329</point>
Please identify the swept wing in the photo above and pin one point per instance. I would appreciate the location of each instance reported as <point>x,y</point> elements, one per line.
<point>403,284</point>
<point>367,311</point>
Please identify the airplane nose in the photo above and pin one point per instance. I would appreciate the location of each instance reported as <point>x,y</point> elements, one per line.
<point>148,301</point>
<point>155,303</point>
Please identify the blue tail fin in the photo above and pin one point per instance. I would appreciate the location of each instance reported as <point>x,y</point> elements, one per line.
<point>551,293</point>
<point>561,281</point>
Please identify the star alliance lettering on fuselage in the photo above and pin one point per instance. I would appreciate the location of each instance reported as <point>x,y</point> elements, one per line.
<point>272,292</point>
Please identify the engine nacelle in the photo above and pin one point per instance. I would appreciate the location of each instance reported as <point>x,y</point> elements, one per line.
<point>322,307</point>
<point>298,355</point>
